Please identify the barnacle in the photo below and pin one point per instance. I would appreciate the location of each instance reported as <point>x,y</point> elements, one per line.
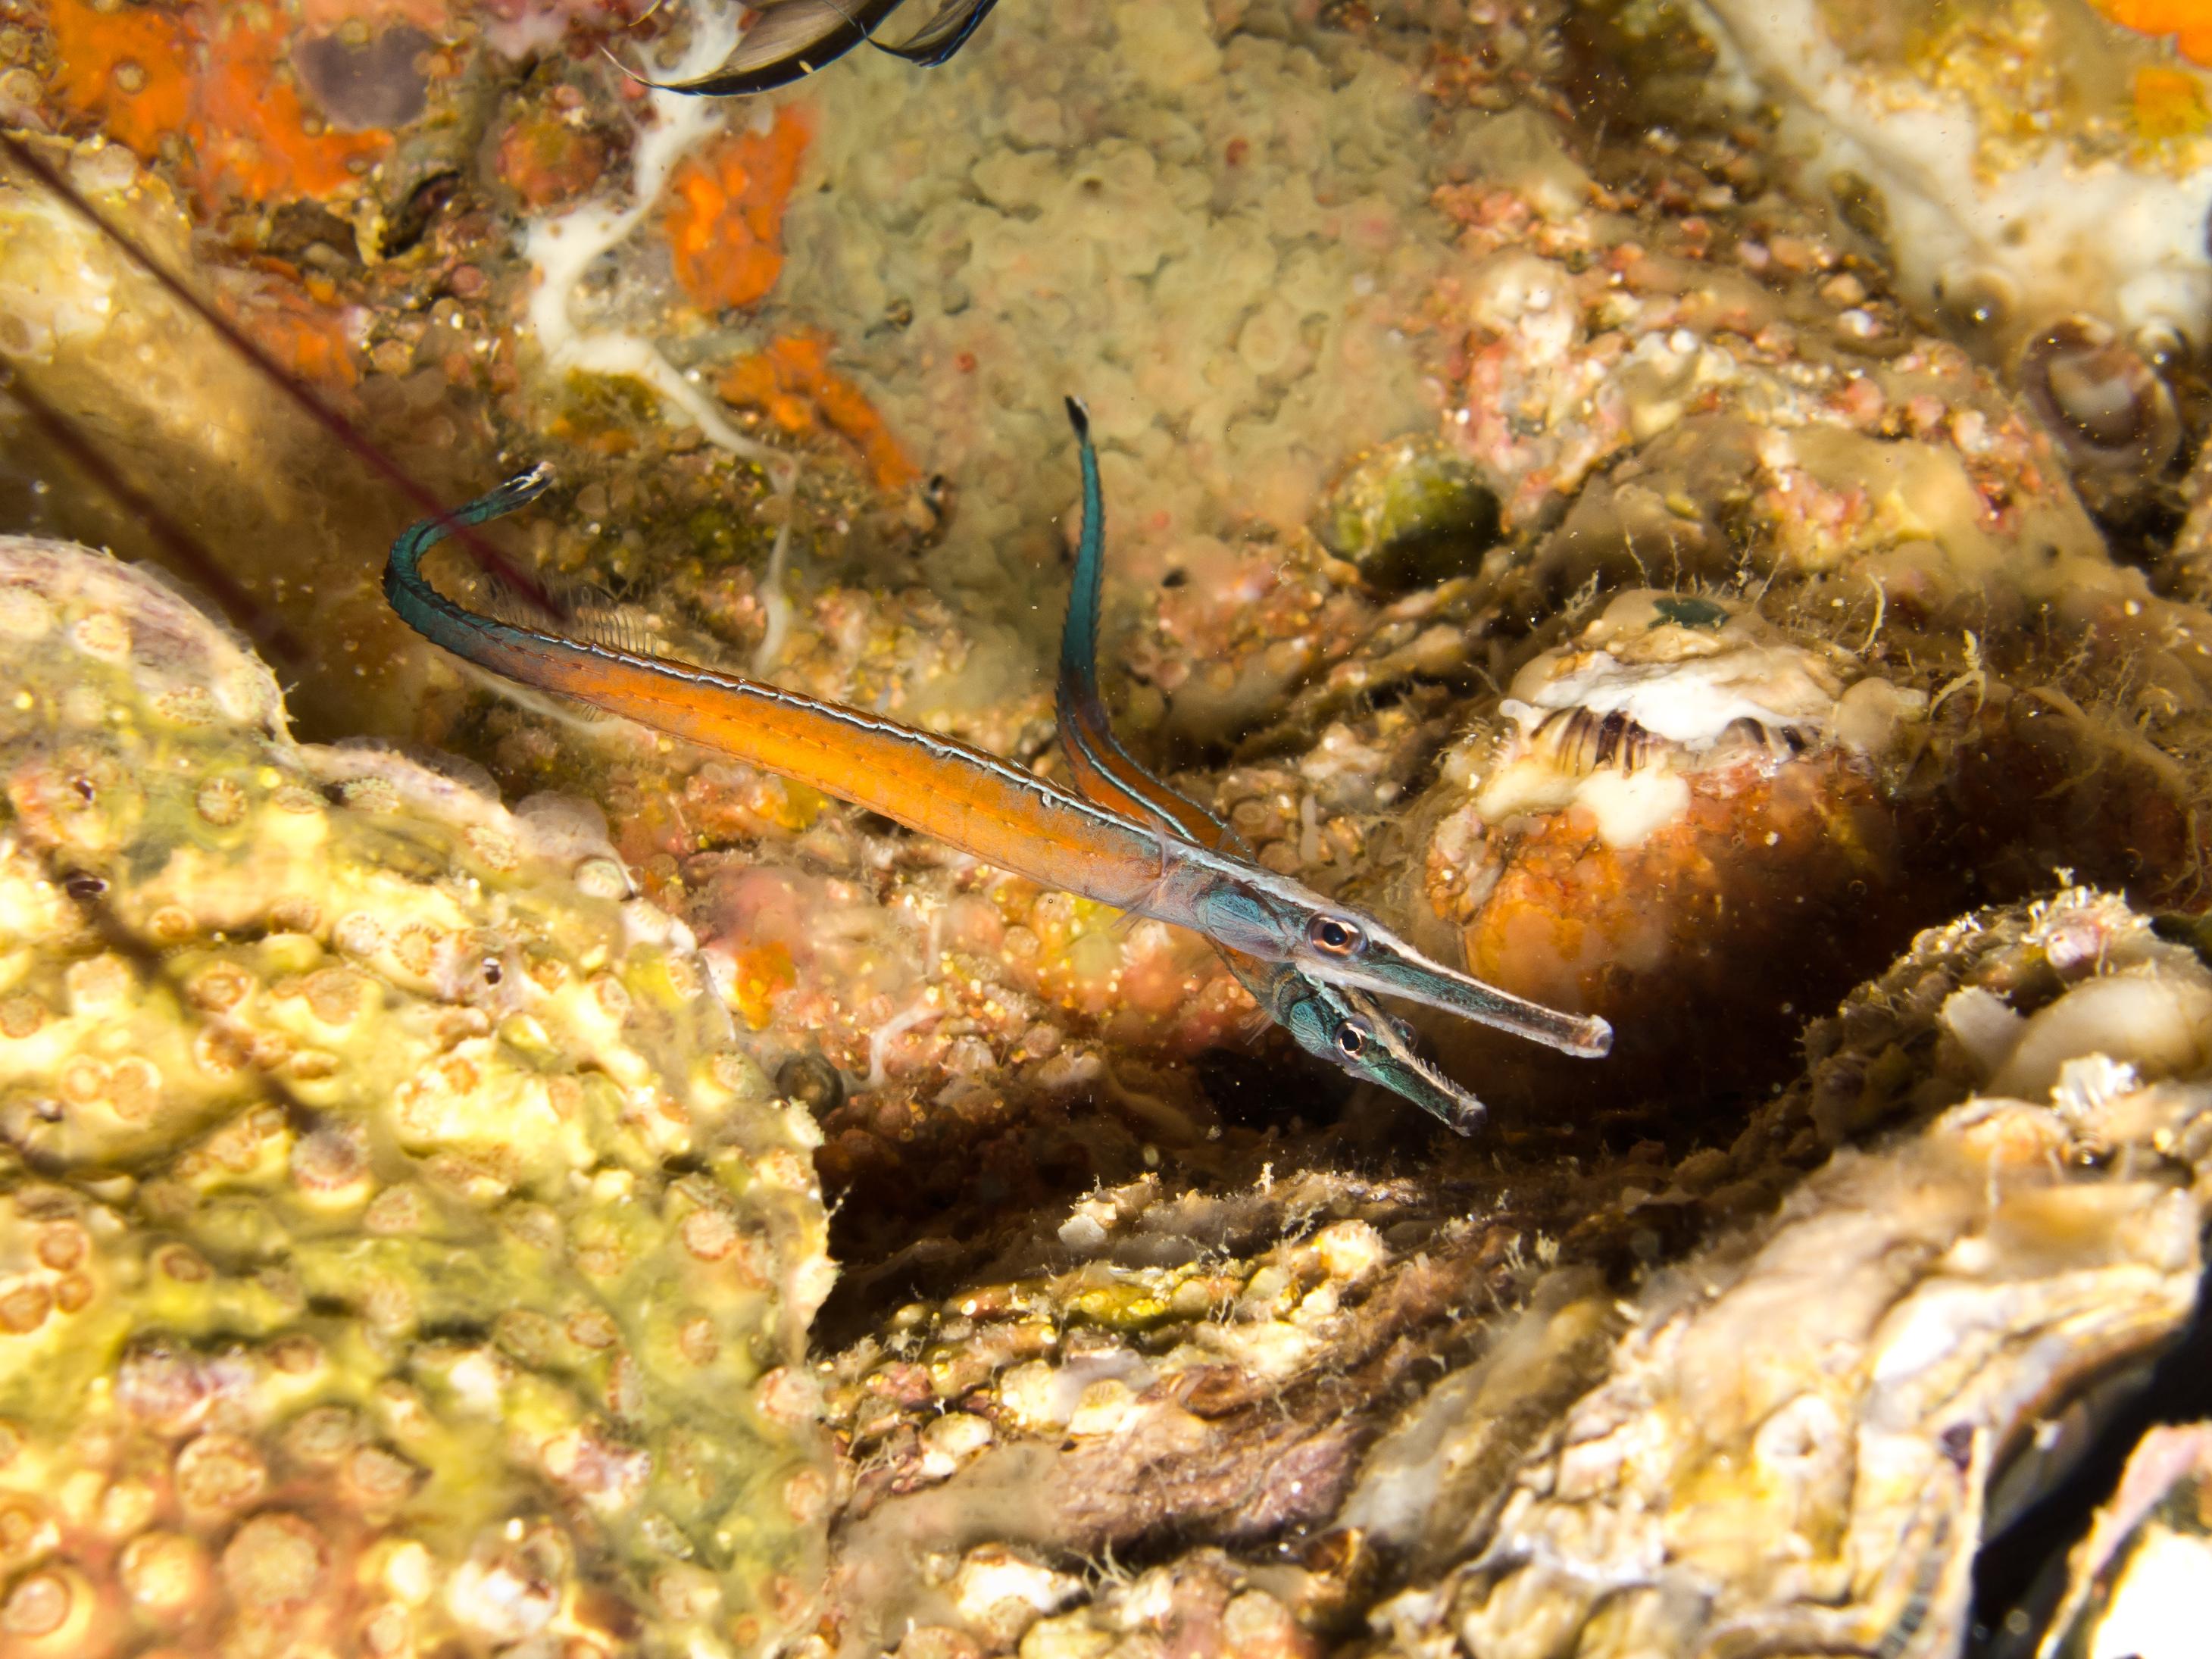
<point>393,1246</point>
<point>1672,784</point>
<point>2109,408</point>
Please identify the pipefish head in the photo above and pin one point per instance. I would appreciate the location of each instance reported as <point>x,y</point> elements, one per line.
<point>1280,920</point>
<point>1354,950</point>
<point>1346,1029</point>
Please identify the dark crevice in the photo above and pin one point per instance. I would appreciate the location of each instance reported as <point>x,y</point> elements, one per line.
<point>2022,1573</point>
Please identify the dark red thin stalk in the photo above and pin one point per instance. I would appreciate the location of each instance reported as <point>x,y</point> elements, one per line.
<point>489,557</point>
<point>187,550</point>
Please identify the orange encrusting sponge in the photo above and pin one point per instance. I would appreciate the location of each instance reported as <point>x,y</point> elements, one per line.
<point>216,77</point>
<point>2190,23</point>
<point>724,219</point>
<point>792,382</point>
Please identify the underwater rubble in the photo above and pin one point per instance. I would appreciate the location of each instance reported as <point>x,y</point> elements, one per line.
<point>1799,1434</point>
<point>1580,484</point>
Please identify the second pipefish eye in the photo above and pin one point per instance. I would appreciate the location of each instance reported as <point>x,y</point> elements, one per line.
<point>1352,1038</point>
<point>1334,935</point>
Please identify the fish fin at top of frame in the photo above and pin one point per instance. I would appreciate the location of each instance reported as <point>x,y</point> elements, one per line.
<point>789,39</point>
<point>936,41</point>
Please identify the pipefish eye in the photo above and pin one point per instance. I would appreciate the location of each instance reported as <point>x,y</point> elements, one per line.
<point>1335,935</point>
<point>1352,1038</point>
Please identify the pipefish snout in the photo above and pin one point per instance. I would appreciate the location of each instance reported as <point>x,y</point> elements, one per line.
<point>999,812</point>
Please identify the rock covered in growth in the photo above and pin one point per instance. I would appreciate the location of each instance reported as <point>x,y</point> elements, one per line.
<point>1162,1362</point>
<point>196,433</point>
<point>2032,176</point>
<point>394,1255</point>
<point>1711,414</point>
<point>1213,223</point>
<point>2004,221</point>
<point>1806,1430</point>
<point>1676,789</point>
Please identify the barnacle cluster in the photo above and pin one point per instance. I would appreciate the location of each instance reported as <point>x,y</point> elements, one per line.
<point>394,1251</point>
<point>2015,162</point>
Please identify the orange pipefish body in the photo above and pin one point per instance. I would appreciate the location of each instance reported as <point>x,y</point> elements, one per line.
<point>1001,813</point>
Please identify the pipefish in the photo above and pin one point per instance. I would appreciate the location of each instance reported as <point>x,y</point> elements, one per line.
<point>943,788</point>
<point>1000,812</point>
<point>1344,1027</point>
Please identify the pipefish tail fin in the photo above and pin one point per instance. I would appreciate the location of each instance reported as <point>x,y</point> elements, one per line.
<point>423,609</point>
<point>787,41</point>
<point>419,605</point>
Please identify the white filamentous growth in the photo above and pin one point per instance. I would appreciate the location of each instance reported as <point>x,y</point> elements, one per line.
<point>563,247</point>
<point>775,608</point>
<point>920,1011</point>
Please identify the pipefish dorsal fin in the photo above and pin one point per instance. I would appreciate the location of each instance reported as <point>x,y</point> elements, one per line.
<point>1097,756</point>
<point>588,614</point>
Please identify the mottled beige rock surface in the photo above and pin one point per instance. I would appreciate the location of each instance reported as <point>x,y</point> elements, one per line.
<point>393,1252</point>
